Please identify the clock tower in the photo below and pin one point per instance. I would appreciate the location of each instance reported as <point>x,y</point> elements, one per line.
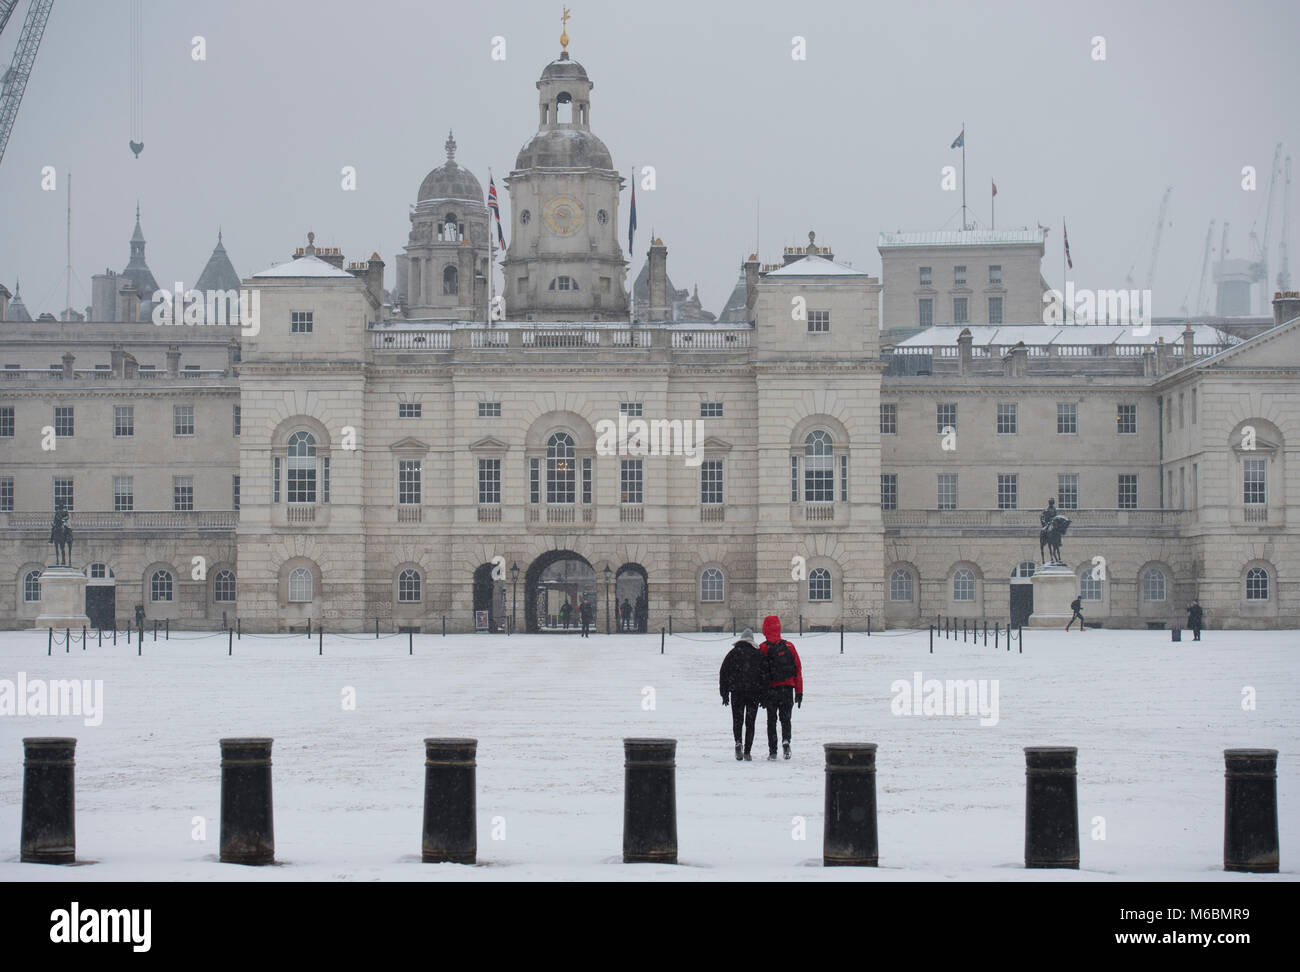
<point>564,262</point>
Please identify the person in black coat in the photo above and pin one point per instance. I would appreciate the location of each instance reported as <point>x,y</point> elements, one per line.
<point>584,613</point>
<point>1195,618</point>
<point>1077,607</point>
<point>742,682</point>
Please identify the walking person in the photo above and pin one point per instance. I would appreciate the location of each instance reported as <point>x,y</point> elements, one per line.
<point>742,680</point>
<point>584,612</point>
<point>1077,607</point>
<point>1195,618</point>
<point>785,683</point>
<point>625,616</point>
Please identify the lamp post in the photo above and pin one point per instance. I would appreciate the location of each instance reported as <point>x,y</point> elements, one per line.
<point>607,573</point>
<point>514,595</point>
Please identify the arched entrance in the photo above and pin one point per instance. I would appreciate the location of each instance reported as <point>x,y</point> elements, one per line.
<point>631,598</point>
<point>101,595</point>
<point>555,579</point>
<point>489,596</point>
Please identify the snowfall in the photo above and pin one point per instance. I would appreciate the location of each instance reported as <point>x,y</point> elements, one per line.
<point>1150,718</point>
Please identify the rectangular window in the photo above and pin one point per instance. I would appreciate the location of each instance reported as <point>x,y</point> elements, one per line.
<point>946,491</point>
<point>6,494</point>
<point>1169,490</point>
<point>794,479</point>
<point>995,273</point>
<point>534,480</point>
<point>630,481</point>
<point>1128,491</point>
<point>325,480</point>
<point>925,311</point>
<point>1181,397</point>
<point>1067,491</point>
<point>300,322</point>
<point>888,418</point>
<point>945,417</point>
<point>925,277</point>
<point>182,420</point>
<point>489,409</point>
<point>844,478</point>
<point>489,481</point>
<point>301,480</point>
<point>1007,424</point>
<point>407,410</point>
<point>63,493</point>
<point>235,420</point>
<point>147,367</point>
<point>995,310</point>
<point>1254,487</point>
<point>1008,491</point>
<point>1182,487</point>
<point>123,494</point>
<point>630,409</point>
<point>64,426</point>
<point>234,493</point>
<point>819,320</point>
<point>1193,406</point>
<point>1169,415</point>
<point>1126,420</point>
<point>960,315</point>
<point>959,276</point>
<point>275,480</point>
<point>711,481</point>
<point>7,422</point>
<point>182,493</point>
<point>710,409</point>
<point>586,480</point>
<point>889,491</point>
<point>408,482</point>
<point>1067,418</point>
<point>1195,469</point>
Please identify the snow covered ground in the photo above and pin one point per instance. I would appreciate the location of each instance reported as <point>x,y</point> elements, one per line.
<point>1150,718</point>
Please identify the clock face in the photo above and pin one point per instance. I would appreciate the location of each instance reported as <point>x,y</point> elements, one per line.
<point>562,215</point>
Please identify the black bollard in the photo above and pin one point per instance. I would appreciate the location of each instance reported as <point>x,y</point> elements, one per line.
<point>450,828</point>
<point>139,639</point>
<point>986,632</point>
<point>114,631</point>
<point>868,625</point>
<point>1250,841</point>
<point>1051,807</point>
<point>49,827</point>
<point>963,631</point>
<point>997,633</point>
<point>849,838</point>
<point>247,829</point>
<point>733,626</point>
<point>650,801</point>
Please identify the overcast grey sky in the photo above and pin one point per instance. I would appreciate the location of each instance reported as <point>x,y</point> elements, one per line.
<point>849,142</point>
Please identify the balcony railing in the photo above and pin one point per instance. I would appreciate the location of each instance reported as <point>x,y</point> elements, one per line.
<point>631,514</point>
<point>408,513</point>
<point>489,514</point>
<point>1029,519</point>
<point>713,513</point>
<point>560,514</point>
<point>300,513</point>
<point>127,521</point>
<point>819,512</point>
<point>560,336</point>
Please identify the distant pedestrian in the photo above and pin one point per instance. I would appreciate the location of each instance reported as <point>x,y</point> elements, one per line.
<point>1077,607</point>
<point>742,680</point>
<point>566,614</point>
<point>139,615</point>
<point>1195,618</point>
<point>625,615</point>
<point>639,614</point>
<point>785,683</point>
<point>584,613</point>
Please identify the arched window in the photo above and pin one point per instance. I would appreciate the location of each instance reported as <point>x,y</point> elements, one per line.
<point>563,283</point>
<point>1025,568</point>
<point>1257,584</point>
<point>408,586</point>
<point>711,584</point>
<point>819,584</point>
<point>564,108</point>
<point>32,586</point>
<point>450,281</point>
<point>160,586</point>
<point>819,467</point>
<point>1089,585</point>
<point>450,228</point>
<point>1153,585</point>
<point>302,468</point>
<point>300,584</point>
<point>900,585</point>
<point>963,584</point>
<point>223,587</point>
<point>98,571</point>
<point>560,468</point>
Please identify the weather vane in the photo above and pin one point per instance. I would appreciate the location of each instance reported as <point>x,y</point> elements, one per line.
<point>564,31</point>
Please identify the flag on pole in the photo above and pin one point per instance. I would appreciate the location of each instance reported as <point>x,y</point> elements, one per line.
<point>995,188</point>
<point>496,210</point>
<point>960,140</point>
<point>631,222</point>
<point>1066,233</point>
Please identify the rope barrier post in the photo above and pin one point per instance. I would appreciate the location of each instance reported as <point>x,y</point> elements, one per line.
<point>239,628</point>
<point>801,626</point>
<point>320,639</point>
<point>868,625</point>
<point>67,641</point>
<point>661,639</point>
<point>230,641</point>
<point>376,629</point>
<point>670,624</point>
<point>932,639</point>
<point>444,625</point>
<point>155,629</point>
<point>49,642</point>
<point>168,624</point>
<point>841,637</point>
<point>309,627</point>
<point>99,643</point>
<point>139,639</point>
<point>1020,637</point>
<point>410,642</point>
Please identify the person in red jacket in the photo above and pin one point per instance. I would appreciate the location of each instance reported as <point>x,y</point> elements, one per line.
<point>785,683</point>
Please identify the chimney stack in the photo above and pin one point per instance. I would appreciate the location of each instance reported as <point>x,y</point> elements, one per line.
<point>750,267</point>
<point>128,303</point>
<point>68,359</point>
<point>964,342</point>
<point>659,309</point>
<point>173,360</point>
<point>4,303</point>
<point>1286,307</point>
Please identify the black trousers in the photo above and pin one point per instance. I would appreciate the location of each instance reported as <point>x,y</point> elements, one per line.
<point>744,715</point>
<point>586,626</point>
<point>780,703</point>
<point>1071,621</point>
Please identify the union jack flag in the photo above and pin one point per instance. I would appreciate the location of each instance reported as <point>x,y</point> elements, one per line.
<point>496,210</point>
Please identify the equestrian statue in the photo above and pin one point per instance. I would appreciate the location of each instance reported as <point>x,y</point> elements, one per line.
<point>1053,529</point>
<point>61,537</point>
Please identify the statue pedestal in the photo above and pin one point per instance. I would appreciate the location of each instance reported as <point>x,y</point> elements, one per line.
<point>1055,586</point>
<point>63,598</point>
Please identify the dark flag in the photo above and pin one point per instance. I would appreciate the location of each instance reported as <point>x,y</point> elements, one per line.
<point>496,210</point>
<point>631,222</point>
<point>959,141</point>
<point>1066,233</point>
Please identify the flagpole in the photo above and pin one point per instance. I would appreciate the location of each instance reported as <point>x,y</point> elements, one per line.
<point>492,256</point>
<point>993,207</point>
<point>963,175</point>
<point>1065,311</point>
<point>631,257</point>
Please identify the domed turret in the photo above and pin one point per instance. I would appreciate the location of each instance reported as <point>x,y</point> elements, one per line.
<point>449,180</point>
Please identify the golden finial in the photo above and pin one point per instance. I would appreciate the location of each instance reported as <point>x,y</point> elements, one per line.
<point>564,31</point>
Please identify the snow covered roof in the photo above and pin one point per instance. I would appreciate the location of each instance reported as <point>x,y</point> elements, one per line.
<point>1008,334</point>
<point>981,237</point>
<point>816,266</point>
<point>303,266</point>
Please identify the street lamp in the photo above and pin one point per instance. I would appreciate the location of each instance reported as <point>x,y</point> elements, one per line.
<point>607,573</point>
<point>514,596</point>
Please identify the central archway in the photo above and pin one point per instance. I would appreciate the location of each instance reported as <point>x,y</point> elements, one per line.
<point>555,579</point>
<point>631,595</point>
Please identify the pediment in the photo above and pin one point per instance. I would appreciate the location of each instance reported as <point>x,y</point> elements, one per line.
<point>713,445</point>
<point>409,444</point>
<point>489,443</point>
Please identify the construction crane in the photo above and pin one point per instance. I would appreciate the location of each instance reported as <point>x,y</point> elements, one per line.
<point>1283,258</point>
<point>6,8</point>
<point>15,79</point>
<point>1155,243</point>
<point>1259,247</point>
<point>1205,271</point>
